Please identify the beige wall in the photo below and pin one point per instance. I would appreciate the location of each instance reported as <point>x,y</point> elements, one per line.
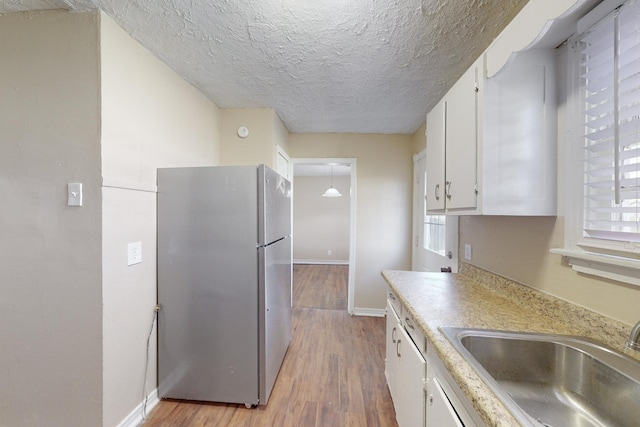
<point>75,317</point>
<point>321,223</point>
<point>383,203</point>
<point>265,132</point>
<point>50,254</point>
<point>518,248</point>
<point>151,118</point>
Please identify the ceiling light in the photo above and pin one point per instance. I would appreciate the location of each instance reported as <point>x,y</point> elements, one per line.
<point>332,192</point>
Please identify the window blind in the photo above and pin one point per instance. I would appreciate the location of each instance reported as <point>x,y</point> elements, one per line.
<point>610,85</point>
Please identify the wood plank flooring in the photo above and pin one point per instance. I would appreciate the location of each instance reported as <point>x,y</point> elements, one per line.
<point>332,375</point>
<point>320,286</point>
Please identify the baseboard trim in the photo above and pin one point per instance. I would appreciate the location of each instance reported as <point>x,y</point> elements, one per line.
<point>135,419</point>
<point>321,261</point>
<point>371,312</point>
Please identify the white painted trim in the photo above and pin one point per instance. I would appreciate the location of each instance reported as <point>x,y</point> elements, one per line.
<point>370,312</point>
<point>417,225</point>
<point>280,152</point>
<point>352,241</point>
<point>135,419</point>
<point>352,220</point>
<point>620,269</point>
<point>596,14</point>
<point>322,261</point>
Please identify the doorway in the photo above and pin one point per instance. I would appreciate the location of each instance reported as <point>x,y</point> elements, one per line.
<point>435,237</point>
<point>324,227</point>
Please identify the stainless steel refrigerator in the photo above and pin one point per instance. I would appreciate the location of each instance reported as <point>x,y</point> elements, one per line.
<point>224,282</point>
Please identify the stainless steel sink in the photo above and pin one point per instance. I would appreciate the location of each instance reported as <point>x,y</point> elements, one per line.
<point>554,380</point>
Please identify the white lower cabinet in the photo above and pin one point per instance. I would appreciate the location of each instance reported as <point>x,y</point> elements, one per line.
<point>410,410</point>
<point>424,393</point>
<point>405,371</point>
<point>392,361</point>
<point>447,406</point>
<point>440,412</point>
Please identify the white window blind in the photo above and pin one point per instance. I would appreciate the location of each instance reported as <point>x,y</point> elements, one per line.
<point>610,85</point>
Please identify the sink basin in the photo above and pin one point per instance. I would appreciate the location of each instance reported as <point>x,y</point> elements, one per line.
<point>554,380</point>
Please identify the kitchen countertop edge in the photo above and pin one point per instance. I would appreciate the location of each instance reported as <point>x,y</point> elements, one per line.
<point>475,298</point>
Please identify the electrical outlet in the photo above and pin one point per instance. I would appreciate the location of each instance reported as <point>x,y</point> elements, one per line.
<point>329,252</point>
<point>467,251</point>
<point>134,253</point>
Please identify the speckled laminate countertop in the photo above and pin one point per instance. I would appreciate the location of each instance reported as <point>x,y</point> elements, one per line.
<point>475,298</point>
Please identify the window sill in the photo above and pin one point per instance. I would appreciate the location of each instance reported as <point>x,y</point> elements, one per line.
<point>616,268</point>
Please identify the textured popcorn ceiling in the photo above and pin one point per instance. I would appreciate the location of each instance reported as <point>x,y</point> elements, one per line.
<point>355,66</point>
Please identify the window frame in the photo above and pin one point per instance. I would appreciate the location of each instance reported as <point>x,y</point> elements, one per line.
<point>615,260</point>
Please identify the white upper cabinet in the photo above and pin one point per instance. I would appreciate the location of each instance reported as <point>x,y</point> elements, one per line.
<point>462,141</point>
<point>499,141</point>
<point>491,141</point>
<point>435,157</point>
<point>452,137</point>
<point>519,137</point>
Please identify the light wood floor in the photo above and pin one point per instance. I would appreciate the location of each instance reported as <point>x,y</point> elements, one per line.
<point>332,375</point>
<point>320,286</point>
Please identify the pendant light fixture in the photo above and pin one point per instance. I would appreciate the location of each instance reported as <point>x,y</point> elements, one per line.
<point>331,191</point>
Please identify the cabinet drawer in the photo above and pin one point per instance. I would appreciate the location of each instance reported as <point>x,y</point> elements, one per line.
<point>414,332</point>
<point>395,302</point>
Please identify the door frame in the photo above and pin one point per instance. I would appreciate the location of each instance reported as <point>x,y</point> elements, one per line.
<point>282,156</point>
<point>352,214</point>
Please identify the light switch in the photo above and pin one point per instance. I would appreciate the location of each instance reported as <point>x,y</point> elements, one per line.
<point>74,194</point>
<point>134,253</point>
<point>467,252</point>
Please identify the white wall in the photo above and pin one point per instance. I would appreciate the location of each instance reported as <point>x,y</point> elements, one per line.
<point>50,254</point>
<point>321,223</point>
<point>383,203</point>
<point>151,118</point>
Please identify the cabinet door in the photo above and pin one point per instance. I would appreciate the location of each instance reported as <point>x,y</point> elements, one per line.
<point>440,413</point>
<point>519,137</point>
<point>462,142</point>
<point>392,360</point>
<point>435,154</point>
<point>410,410</point>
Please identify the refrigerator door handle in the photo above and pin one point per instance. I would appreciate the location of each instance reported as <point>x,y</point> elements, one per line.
<point>258,246</point>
